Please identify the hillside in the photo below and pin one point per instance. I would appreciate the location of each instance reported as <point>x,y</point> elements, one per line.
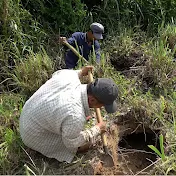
<point>138,53</point>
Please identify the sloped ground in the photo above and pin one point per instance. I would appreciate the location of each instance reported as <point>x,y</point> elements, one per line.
<point>127,141</point>
<point>152,65</point>
<point>142,117</point>
<point>127,62</point>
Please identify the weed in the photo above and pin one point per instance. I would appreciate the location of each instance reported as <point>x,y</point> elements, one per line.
<point>32,72</point>
<point>160,154</point>
<point>25,66</point>
<point>10,142</point>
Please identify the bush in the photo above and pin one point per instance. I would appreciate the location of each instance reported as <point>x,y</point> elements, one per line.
<point>146,14</point>
<point>31,73</point>
<point>62,16</point>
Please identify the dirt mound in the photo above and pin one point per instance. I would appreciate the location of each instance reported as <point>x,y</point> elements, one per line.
<point>129,150</point>
<point>133,65</point>
<point>125,62</point>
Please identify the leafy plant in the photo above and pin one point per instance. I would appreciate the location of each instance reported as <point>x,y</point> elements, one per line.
<point>159,153</point>
<point>66,16</point>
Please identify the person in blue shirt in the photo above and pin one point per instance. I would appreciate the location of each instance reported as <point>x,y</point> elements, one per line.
<point>85,42</point>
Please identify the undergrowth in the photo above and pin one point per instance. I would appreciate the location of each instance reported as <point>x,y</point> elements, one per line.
<point>11,154</point>
<point>142,67</point>
<point>30,73</point>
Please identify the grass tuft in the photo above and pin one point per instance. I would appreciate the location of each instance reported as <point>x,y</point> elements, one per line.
<point>32,72</point>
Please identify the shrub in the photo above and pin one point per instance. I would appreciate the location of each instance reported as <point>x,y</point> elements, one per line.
<point>63,16</point>
<point>31,73</point>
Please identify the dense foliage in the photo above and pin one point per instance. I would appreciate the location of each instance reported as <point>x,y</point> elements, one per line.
<point>138,53</point>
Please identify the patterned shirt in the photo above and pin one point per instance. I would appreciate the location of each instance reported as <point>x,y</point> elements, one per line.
<point>52,120</point>
<point>78,39</point>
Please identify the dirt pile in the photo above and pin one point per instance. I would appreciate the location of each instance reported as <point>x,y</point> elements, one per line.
<point>127,140</point>
<point>124,62</point>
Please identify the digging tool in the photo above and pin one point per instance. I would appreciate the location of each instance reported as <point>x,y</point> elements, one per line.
<point>107,158</point>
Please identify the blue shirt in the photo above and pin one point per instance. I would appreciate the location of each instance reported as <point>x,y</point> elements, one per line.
<point>79,39</point>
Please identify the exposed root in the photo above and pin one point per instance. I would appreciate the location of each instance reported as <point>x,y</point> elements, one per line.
<point>127,142</point>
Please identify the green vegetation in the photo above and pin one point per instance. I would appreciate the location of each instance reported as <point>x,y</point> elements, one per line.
<point>30,74</point>
<point>138,53</point>
<point>161,154</point>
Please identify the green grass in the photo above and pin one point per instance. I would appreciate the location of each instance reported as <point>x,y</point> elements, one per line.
<point>30,73</point>
<point>153,105</point>
<point>159,153</point>
<point>11,154</point>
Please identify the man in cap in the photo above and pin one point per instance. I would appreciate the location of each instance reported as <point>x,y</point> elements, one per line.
<point>52,120</point>
<point>85,43</point>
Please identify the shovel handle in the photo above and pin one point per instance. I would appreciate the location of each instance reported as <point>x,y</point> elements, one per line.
<point>99,117</point>
<point>97,110</point>
<point>75,52</point>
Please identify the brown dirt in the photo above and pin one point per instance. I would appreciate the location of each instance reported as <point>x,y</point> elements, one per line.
<point>127,139</point>
<point>129,158</point>
<point>135,65</point>
<point>124,63</point>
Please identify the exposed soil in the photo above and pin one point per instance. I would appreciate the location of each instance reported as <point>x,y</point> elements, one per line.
<point>134,65</point>
<point>128,139</point>
<point>130,153</point>
<point>134,149</point>
<point>124,62</point>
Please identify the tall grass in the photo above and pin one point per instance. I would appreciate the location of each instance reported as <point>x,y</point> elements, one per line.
<point>146,14</point>
<point>27,66</point>
<point>19,34</point>
<point>10,143</point>
<point>30,73</point>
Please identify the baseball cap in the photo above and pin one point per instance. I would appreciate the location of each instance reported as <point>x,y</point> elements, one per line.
<point>97,30</point>
<point>105,91</point>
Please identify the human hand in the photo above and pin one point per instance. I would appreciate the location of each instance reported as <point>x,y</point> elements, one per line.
<point>63,40</point>
<point>86,69</point>
<point>102,126</point>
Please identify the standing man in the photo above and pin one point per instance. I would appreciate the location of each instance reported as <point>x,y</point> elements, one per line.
<point>52,120</point>
<point>84,42</point>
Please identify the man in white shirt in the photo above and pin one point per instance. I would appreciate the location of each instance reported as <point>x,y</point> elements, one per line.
<point>52,120</point>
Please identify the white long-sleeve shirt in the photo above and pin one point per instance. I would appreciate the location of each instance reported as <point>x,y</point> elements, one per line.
<point>52,120</point>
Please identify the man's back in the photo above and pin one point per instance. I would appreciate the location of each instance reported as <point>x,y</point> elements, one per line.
<point>51,106</point>
<point>51,97</point>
